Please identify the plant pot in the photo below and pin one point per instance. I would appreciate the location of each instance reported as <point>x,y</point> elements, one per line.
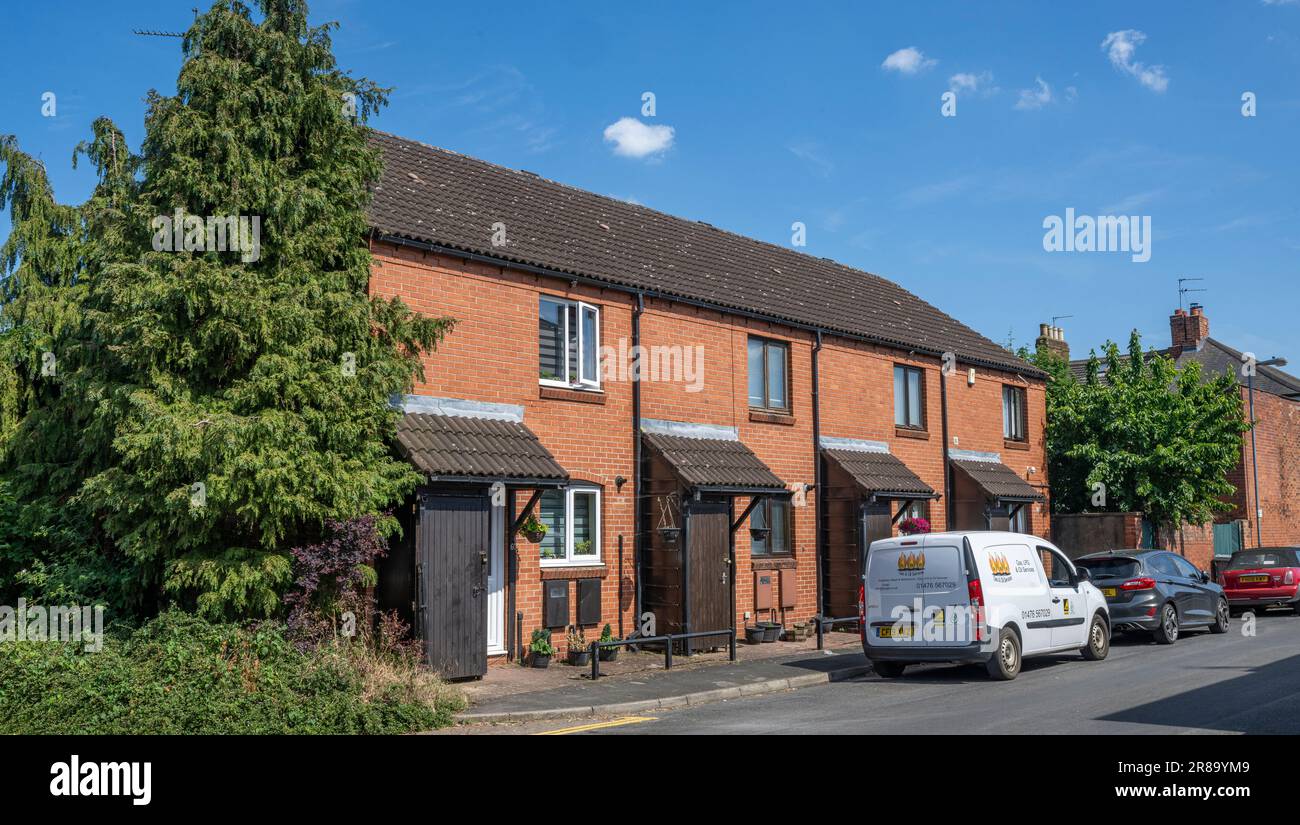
<point>771,631</point>
<point>535,536</point>
<point>754,635</point>
<point>670,534</point>
<point>608,654</point>
<point>578,658</point>
<point>538,660</point>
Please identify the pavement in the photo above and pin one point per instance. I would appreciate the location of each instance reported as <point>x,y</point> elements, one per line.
<point>687,684</point>
<point>1204,684</point>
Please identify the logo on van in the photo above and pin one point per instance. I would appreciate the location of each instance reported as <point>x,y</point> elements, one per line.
<point>1000,566</point>
<point>911,562</point>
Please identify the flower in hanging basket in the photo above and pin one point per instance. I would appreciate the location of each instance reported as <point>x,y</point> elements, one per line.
<point>912,526</point>
<point>532,529</point>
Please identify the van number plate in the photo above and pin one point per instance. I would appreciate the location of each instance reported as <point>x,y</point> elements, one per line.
<point>891,632</point>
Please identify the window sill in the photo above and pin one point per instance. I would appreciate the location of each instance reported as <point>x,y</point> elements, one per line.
<point>908,432</point>
<point>1013,444</point>
<point>570,570</point>
<point>567,394</point>
<point>773,562</point>
<point>767,417</point>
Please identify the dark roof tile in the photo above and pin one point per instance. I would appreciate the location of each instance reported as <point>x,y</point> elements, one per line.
<point>713,462</point>
<point>461,446</point>
<point>997,480</point>
<point>880,472</point>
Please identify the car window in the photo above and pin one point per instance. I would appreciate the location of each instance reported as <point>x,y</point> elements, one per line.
<point>1185,568</point>
<point>1261,558</point>
<point>1056,568</point>
<point>1163,564</point>
<point>1112,567</point>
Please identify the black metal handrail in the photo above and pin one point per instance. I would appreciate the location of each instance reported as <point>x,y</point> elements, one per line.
<point>823,621</point>
<point>668,640</point>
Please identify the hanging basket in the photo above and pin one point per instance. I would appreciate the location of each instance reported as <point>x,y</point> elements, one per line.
<point>535,536</point>
<point>670,535</point>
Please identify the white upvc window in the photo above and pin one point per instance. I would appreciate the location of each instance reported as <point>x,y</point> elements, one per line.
<point>572,519</point>
<point>568,343</point>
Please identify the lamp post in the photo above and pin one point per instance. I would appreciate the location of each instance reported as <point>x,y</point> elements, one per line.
<point>1254,462</point>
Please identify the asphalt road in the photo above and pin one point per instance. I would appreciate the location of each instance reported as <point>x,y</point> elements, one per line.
<point>1202,684</point>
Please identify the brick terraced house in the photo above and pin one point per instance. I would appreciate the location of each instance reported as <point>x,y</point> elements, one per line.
<point>790,410</point>
<point>1275,518</point>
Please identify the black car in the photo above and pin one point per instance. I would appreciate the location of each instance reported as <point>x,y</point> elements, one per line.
<point>1156,591</point>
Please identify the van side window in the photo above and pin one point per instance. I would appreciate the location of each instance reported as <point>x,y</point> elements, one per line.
<point>1058,572</point>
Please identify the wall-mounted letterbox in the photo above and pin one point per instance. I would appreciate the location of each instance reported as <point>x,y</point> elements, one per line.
<point>555,603</point>
<point>763,591</point>
<point>588,601</point>
<point>789,590</point>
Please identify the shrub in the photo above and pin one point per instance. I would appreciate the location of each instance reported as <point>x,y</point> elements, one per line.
<point>182,674</point>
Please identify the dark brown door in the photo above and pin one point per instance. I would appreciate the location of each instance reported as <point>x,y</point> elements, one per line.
<point>454,547</point>
<point>709,563</point>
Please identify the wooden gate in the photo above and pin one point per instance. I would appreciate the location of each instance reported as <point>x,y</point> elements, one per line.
<point>710,578</point>
<point>1227,539</point>
<point>453,567</point>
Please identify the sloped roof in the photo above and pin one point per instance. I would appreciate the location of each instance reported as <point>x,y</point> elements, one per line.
<point>997,480</point>
<point>450,200</point>
<point>451,446</point>
<point>713,462</point>
<point>880,473</point>
<point>1214,356</point>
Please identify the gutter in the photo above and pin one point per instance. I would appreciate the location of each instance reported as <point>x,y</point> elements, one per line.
<point>949,510</point>
<point>668,296</point>
<point>819,545</point>
<point>636,460</point>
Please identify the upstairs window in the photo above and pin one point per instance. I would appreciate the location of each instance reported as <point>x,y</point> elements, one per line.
<point>909,398</point>
<point>568,340</point>
<point>769,374</point>
<point>1013,413</point>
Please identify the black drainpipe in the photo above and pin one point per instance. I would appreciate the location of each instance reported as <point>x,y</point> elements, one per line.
<point>636,457</point>
<point>947,468</point>
<point>819,521</point>
<point>512,567</point>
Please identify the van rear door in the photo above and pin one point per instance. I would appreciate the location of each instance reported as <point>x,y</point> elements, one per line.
<point>916,593</point>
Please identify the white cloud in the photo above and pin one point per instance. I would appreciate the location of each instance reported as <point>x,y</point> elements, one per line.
<point>634,139</point>
<point>964,82</point>
<point>1031,99</point>
<point>907,61</point>
<point>1120,48</point>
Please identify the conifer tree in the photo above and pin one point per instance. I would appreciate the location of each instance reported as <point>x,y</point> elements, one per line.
<point>224,402</point>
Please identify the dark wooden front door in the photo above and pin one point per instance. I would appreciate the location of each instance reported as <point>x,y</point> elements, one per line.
<point>453,571</point>
<point>710,575</point>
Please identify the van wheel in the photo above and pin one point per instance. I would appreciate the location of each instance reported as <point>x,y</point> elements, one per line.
<point>1221,619</point>
<point>1098,641</point>
<point>888,670</point>
<point>1004,664</point>
<point>1166,633</point>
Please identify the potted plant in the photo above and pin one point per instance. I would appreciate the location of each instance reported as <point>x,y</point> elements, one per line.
<point>771,631</point>
<point>912,526</point>
<point>754,635</point>
<point>532,529</point>
<point>579,654</point>
<point>608,654</point>
<point>670,534</point>
<point>540,648</point>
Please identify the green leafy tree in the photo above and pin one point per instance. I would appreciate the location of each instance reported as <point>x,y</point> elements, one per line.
<point>216,406</point>
<point>1157,439</point>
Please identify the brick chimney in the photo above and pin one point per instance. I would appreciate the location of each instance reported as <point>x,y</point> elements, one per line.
<point>1053,339</point>
<point>1189,329</point>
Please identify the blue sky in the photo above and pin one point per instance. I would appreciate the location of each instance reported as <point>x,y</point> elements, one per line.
<point>782,113</point>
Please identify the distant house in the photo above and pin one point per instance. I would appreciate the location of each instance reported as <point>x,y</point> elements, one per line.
<point>791,409</point>
<point>1275,518</point>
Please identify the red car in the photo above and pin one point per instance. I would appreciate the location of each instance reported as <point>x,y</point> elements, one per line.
<point>1263,577</point>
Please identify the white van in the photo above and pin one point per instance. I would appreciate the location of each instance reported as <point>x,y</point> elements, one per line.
<point>986,597</point>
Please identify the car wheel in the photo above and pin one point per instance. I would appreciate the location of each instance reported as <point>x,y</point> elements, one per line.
<point>1098,641</point>
<point>1166,633</point>
<point>888,670</point>
<point>1004,664</point>
<point>1221,618</point>
<point>1295,608</point>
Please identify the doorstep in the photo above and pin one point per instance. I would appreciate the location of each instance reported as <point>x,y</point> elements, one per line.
<point>638,682</point>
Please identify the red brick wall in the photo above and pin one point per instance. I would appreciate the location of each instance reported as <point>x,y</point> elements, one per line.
<point>491,355</point>
<point>1277,443</point>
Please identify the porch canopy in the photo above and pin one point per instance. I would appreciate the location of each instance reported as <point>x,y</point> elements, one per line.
<point>476,449</point>
<point>997,481</point>
<point>714,465</point>
<point>879,475</point>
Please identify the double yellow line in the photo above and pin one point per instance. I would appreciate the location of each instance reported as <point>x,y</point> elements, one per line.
<point>612,723</point>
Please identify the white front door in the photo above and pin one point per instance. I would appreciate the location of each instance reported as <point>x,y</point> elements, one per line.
<point>496,584</point>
